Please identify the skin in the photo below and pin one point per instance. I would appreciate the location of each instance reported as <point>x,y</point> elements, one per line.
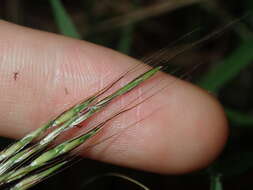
<point>180,129</point>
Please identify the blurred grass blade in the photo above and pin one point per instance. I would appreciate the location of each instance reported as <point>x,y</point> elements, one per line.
<point>63,20</point>
<point>239,118</point>
<point>234,164</point>
<point>126,39</point>
<point>36,178</point>
<point>118,175</point>
<point>222,73</point>
<point>216,182</point>
<point>142,13</point>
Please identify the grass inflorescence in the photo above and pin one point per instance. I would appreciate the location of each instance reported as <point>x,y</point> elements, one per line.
<point>22,160</point>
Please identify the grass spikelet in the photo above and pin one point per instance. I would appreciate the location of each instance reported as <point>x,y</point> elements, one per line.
<point>36,178</point>
<point>53,153</point>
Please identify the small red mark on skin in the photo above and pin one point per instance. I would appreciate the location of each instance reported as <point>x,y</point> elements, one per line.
<point>15,75</point>
<point>79,126</point>
<point>66,91</point>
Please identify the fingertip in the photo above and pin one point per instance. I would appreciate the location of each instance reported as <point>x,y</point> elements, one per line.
<point>202,139</point>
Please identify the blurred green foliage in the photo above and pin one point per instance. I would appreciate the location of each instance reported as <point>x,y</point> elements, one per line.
<point>228,68</point>
<point>216,183</point>
<point>63,20</point>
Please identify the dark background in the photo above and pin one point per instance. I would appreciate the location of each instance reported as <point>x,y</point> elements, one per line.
<point>139,28</point>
